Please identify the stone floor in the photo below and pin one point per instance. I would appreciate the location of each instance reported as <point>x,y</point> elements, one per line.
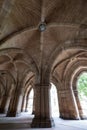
<point>23,122</point>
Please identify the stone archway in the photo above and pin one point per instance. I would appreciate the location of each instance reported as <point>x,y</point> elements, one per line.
<point>30,98</point>
<point>71,80</point>
<point>82,90</point>
<point>75,86</point>
<point>54,101</point>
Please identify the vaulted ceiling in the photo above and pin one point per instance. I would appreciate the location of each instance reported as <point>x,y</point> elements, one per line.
<point>23,44</point>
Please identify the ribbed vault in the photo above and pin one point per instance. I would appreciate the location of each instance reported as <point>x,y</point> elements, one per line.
<point>48,52</point>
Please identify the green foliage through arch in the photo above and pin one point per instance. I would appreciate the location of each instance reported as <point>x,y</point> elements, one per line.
<point>82,84</point>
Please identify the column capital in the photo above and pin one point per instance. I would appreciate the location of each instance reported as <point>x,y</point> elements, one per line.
<point>19,90</point>
<point>43,86</point>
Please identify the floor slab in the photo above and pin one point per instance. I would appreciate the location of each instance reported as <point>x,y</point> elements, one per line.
<point>23,121</point>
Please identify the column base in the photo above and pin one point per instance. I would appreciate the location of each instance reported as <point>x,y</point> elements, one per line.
<point>2,111</point>
<point>33,112</point>
<point>11,114</point>
<point>67,117</point>
<point>26,111</point>
<point>83,117</point>
<point>42,123</point>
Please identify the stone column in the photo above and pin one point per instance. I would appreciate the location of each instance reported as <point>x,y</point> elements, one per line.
<point>81,114</point>
<point>67,104</point>
<point>0,100</point>
<point>33,110</point>
<point>22,107</point>
<point>4,103</point>
<point>26,104</point>
<point>42,117</point>
<point>7,104</point>
<point>15,104</point>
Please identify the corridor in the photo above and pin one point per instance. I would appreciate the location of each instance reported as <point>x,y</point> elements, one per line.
<point>24,120</point>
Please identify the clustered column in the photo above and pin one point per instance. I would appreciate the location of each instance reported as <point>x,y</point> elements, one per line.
<point>4,102</point>
<point>15,103</point>
<point>81,114</point>
<point>67,105</point>
<point>42,117</point>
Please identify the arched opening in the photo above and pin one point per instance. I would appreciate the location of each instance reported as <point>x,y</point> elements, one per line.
<point>30,102</point>
<point>54,101</point>
<point>82,90</point>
